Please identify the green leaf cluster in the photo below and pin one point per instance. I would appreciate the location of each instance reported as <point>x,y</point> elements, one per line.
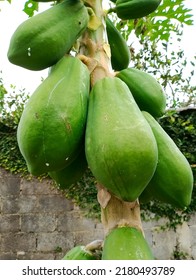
<point>30,7</point>
<point>11,106</point>
<point>169,17</point>
<point>3,91</point>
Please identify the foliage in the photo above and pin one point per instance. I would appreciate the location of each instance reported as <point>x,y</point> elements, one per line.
<point>160,24</point>
<point>180,255</point>
<point>30,7</point>
<point>10,157</point>
<point>3,91</point>
<point>11,109</point>
<point>181,126</point>
<point>12,106</point>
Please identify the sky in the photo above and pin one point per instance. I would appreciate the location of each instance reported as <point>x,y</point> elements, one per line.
<point>11,15</point>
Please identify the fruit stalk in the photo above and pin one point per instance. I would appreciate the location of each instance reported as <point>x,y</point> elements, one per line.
<point>94,43</point>
<point>116,212</point>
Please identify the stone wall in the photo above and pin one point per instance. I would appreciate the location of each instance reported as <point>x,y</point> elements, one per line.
<point>38,222</point>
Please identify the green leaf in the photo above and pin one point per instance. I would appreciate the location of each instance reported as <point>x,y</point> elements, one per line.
<point>168,18</point>
<point>30,8</point>
<point>174,10</point>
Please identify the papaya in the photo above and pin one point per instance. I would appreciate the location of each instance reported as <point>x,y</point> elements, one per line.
<point>79,253</point>
<point>51,129</point>
<point>119,143</point>
<point>71,173</point>
<point>120,53</point>
<point>40,41</point>
<point>126,243</point>
<point>133,9</point>
<point>172,181</point>
<point>43,0</point>
<point>146,91</point>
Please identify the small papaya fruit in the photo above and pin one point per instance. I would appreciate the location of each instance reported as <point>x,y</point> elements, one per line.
<point>40,41</point>
<point>119,143</point>
<point>133,9</point>
<point>126,243</point>
<point>79,253</point>
<point>146,91</point>
<point>120,53</point>
<point>71,173</point>
<point>51,129</point>
<point>172,181</point>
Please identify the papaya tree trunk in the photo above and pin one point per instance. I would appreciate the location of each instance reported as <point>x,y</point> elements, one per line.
<point>95,53</point>
<point>94,47</point>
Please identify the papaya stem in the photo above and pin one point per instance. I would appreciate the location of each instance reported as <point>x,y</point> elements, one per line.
<point>111,10</point>
<point>116,212</point>
<point>94,42</point>
<point>94,245</point>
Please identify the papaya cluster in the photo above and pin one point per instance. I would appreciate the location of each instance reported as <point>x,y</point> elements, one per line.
<point>111,127</point>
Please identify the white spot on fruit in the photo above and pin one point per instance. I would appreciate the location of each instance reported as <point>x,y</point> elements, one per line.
<point>47,164</point>
<point>29,51</point>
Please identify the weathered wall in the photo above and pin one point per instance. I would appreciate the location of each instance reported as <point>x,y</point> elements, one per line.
<point>37,222</point>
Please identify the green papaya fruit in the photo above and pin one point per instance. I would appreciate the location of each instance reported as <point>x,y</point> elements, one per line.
<point>145,196</point>
<point>51,129</point>
<point>120,53</point>
<point>119,143</point>
<point>146,91</point>
<point>40,41</point>
<point>43,0</point>
<point>79,253</point>
<point>71,173</point>
<point>133,9</point>
<point>126,243</point>
<point>172,181</point>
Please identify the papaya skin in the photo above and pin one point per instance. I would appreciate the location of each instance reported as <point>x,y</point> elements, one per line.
<point>146,91</point>
<point>120,53</point>
<point>133,9</point>
<point>126,243</point>
<point>43,0</point>
<point>79,253</point>
<point>51,130</point>
<point>119,143</point>
<point>71,173</point>
<point>40,41</point>
<point>172,181</point>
